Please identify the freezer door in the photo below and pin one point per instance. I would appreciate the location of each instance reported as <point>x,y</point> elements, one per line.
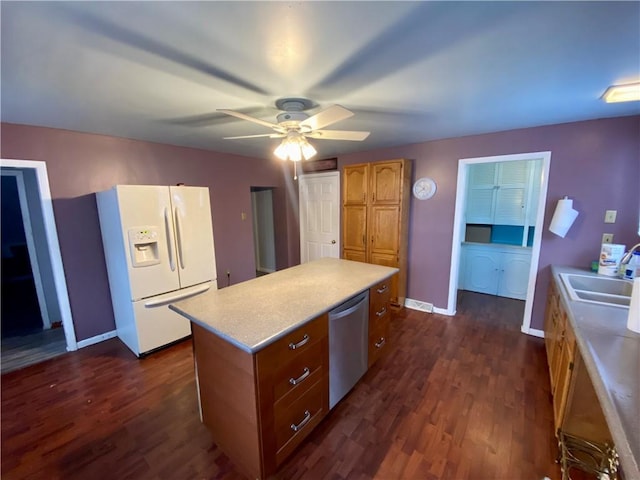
<point>194,234</point>
<point>149,205</point>
<point>157,326</point>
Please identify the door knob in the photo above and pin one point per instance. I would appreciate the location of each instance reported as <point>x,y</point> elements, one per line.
<point>333,241</point>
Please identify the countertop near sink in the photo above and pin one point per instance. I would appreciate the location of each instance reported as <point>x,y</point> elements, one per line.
<point>253,314</point>
<point>611,354</point>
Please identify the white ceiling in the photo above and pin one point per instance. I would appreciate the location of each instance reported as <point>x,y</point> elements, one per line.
<point>411,71</point>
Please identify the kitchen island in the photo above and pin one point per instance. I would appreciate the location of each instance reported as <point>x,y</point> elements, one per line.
<point>261,349</point>
<point>611,356</point>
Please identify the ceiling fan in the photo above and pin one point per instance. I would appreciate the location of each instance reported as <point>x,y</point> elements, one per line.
<point>295,126</point>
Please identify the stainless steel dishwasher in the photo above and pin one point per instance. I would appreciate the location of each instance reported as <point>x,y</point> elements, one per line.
<point>348,342</point>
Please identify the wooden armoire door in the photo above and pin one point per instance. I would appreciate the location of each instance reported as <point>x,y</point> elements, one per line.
<point>375,217</point>
<point>386,183</point>
<point>356,185</point>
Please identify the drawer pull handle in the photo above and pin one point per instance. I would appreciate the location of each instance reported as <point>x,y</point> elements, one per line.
<point>305,339</point>
<point>382,289</point>
<point>305,420</point>
<point>305,374</point>
<point>382,312</point>
<point>380,343</point>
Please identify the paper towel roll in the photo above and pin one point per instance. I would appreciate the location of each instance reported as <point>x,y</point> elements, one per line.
<point>563,217</point>
<point>633,320</point>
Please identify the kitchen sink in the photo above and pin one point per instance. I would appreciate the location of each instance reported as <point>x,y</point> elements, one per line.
<point>604,291</point>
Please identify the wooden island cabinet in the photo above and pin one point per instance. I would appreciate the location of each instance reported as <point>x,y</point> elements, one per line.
<point>259,407</point>
<point>262,355</point>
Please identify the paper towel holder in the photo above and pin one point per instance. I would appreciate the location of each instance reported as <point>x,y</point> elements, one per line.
<point>563,217</point>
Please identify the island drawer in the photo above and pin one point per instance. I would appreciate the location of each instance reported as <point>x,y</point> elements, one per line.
<point>292,376</point>
<point>301,372</point>
<point>296,343</point>
<point>378,316</point>
<point>379,296</point>
<point>378,341</point>
<point>295,419</point>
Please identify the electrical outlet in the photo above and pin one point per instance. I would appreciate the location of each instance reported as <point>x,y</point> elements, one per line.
<point>243,216</point>
<point>610,216</point>
<point>607,238</point>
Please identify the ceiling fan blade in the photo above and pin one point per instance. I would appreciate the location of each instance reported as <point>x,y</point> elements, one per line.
<point>241,115</point>
<point>218,118</point>
<point>329,115</point>
<point>353,135</point>
<point>270,135</point>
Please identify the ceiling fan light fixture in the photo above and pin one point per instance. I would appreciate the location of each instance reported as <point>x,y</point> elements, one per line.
<point>294,147</point>
<point>307,149</point>
<point>622,93</point>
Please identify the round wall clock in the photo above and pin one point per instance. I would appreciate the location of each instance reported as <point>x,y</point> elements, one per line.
<point>424,188</point>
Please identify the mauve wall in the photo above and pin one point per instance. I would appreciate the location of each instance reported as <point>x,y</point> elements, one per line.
<point>80,164</point>
<point>597,163</point>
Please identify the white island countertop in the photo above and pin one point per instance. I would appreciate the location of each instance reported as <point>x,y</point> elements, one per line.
<point>253,314</point>
<point>611,353</point>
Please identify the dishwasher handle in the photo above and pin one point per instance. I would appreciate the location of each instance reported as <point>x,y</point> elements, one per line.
<point>349,307</point>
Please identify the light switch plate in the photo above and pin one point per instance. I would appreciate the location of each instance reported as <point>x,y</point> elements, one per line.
<point>607,238</point>
<point>610,216</point>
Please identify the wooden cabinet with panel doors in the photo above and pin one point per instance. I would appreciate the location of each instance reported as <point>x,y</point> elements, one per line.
<point>375,218</point>
<point>580,424</point>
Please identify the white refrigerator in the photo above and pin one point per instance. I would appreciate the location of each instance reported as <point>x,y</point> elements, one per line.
<point>158,246</point>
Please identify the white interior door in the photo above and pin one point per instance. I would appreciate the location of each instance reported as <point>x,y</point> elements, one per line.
<point>319,216</point>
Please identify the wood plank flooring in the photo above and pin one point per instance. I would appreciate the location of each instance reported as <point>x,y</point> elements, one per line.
<point>464,397</point>
<point>23,350</point>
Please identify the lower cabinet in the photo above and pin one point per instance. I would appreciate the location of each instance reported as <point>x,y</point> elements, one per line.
<point>379,320</point>
<point>583,435</point>
<point>496,269</point>
<point>259,407</point>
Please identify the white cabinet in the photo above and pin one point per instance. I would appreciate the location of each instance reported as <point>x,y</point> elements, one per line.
<point>496,269</point>
<point>498,193</point>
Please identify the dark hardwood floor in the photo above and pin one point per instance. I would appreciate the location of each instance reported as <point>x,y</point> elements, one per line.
<point>464,397</point>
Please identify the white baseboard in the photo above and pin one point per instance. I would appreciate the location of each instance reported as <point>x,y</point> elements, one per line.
<point>533,332</point>
<point>444,311</point>
<point>97,339</point>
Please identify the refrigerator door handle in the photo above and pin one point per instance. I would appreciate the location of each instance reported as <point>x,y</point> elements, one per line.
<point>169,230</point>
<point>175,296</point>
<point>176,216</point>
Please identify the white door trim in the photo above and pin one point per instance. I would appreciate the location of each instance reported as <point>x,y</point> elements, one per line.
<point>458,226</point>
<point>31,247</point>
<point>302,180</point>
<point>52,243</point>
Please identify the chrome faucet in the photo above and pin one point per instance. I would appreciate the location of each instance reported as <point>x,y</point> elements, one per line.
<point>629,254</point>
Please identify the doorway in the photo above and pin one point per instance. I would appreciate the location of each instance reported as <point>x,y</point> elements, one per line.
<point>34,290</point>
<point>263,230</point>
<point>459,231</point>
<point>319,208</point>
